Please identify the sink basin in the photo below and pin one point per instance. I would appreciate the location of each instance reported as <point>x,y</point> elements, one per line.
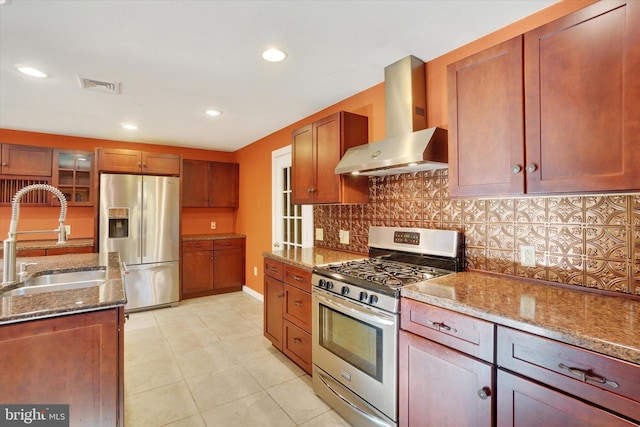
<point>60,282</point>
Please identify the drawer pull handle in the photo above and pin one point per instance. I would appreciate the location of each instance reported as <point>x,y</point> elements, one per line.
<point>585,376</point>
<point>298,303</point>
<point>484,393</point>
<point>280,295</point>
<point>297,278</point>
<point>297,341</point>
<point>442,327</point>
<point>273,269</point>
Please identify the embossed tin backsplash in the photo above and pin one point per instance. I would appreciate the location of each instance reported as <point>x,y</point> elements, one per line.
<point>586,240</point>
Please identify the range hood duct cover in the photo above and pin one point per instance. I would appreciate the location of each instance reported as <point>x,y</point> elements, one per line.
<point>409,146</point>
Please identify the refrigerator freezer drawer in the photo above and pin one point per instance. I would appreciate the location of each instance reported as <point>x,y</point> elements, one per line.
<point>152,285</point>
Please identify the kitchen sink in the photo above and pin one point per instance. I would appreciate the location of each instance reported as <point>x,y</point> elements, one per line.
<point>59,282</point>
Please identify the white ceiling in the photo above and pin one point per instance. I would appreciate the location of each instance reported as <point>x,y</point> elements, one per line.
<point>176,58</point>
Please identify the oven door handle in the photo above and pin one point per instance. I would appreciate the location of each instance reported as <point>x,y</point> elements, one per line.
<point>361,411</point>
<point>356,311</point>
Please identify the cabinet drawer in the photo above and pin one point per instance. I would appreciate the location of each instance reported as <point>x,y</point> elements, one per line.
<point>297,307</point>
<point>455,330</point>
<point>273,268</point>
<point>197,245</point>
<point>297,277</point>
<point>228,244</point>
<point>594,377</point>
<point>297,345</point>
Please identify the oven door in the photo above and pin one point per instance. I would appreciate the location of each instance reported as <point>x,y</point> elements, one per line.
<point>356,345</point>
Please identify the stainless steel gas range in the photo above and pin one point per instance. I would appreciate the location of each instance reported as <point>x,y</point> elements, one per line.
<point>356,306</point>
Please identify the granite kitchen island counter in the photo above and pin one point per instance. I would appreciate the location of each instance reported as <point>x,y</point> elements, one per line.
<point>605,324</point>
<point>57,303</point>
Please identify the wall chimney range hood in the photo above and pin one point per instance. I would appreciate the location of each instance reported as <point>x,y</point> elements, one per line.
<point>409,146</point>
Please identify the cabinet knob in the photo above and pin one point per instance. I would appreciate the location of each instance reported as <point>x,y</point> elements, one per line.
<point>297,341</point>
<point>280,295</point>
<point>5,164</point>
<point>311,190</point>
<point>484,393</point>
<point>144,165</point>
<point>516,169</point>
<point>531,167</point>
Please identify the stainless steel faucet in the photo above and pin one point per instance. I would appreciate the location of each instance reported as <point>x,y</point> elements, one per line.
<point>9,260</point>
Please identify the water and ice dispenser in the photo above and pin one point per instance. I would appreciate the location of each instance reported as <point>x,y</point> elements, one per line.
<point>118,222</point>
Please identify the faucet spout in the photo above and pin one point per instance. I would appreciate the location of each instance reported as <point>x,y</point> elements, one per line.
<point>9,245</point>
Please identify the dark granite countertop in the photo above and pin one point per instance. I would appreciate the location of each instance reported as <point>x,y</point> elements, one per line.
<point>47,244</point>
<point>307,258</point>
<point>605,324</point>
<point>49,304</point>
<point>219,236</point>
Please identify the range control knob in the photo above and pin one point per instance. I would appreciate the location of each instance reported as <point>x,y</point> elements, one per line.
<point>322,283</point>
<point>328,285</point>
<point>373,299</point>
<point>344,290</point>
<point>363,296</point>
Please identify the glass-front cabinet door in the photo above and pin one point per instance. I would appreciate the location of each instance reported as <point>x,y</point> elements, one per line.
<point>73,176</point>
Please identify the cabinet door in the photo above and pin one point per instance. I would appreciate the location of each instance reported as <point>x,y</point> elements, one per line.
<point>273,308</point>
<point>160,164</point>
<point>297,307</point>
<point>523,403</point>
<point>583,100</point>
<point>228,269</point>
<point>327,140</point>
<point>25,160</point>
<point>439,386</point>
<point>296,344</point>
<point>72,359</point>
<point>486,122</point>
<point>223,184</point>
<point>303,171</point>
<point>195,183</point>
<point>118,160</point>
<point>197,272</point>
<point>73,175</point>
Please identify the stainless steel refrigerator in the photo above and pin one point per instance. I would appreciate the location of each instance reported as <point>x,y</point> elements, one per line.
<point>140,219</point>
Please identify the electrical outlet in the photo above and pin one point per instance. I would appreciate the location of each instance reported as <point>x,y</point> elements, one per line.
<point>67,229</point>
<point>528,256</point>
<point>344,237</point>
<point>319,234</point>
<point>255,270</point>
<point>213,225</point>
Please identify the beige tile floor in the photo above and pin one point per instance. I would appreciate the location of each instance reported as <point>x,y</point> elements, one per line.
<point>206,363</point>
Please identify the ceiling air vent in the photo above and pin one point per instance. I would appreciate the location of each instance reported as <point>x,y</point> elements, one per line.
<point>99,85</point>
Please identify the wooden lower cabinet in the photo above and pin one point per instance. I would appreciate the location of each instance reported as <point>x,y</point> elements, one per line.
<point>287,311</point>
<point>525,403</point>
<point>273,309</point>
<point>439,386</point>
<point>212,267</point>
<point>75,359</point>
<point>52,251</point>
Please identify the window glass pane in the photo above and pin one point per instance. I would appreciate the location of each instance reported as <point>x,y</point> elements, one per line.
<point>285,230</point>
<point>299,231</point>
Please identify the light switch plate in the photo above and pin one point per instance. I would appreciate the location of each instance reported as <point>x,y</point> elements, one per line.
<point>319,234</point>
<point>344,237</point>
<point>67,229</point>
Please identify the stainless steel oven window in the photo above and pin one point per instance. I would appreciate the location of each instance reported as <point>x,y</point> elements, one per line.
<point>354,341</point>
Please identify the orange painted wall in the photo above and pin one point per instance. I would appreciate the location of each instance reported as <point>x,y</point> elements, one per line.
<point>81,219</point>
<point>255,187</point>
<point>254,214</point>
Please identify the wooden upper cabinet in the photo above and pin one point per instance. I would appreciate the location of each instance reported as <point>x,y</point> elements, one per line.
<point>73,175</point>
<point>486,122</point>
<point>582,85</point>
<point>317,149</point>
<point>224,179</point>
<point>25,160</point>
<point>210,184</point>
<point>139,162</point>
<point>554,111</point>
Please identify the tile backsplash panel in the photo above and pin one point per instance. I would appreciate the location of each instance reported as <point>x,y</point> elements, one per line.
<point>586,240</point>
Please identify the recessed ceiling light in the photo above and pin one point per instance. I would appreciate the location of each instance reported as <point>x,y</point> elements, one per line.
<point>129,126</point>
<point>30,71</point>
<point>273,55</point>
<point>213,113</point>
